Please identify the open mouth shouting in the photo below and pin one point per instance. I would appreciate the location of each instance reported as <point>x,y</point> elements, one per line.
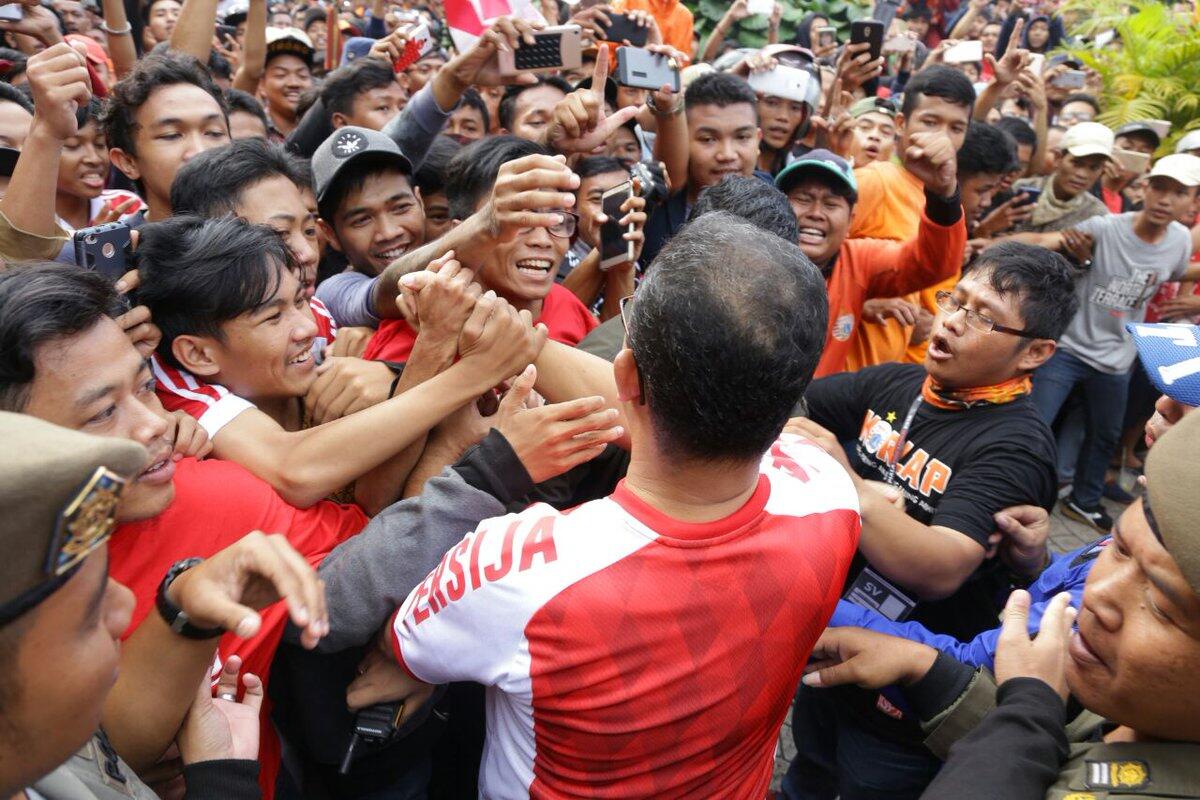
<point>811,235</point>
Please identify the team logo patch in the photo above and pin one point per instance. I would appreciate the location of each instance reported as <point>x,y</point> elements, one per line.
<point>348,144</point>
<point>843,326</point>
<point>1118,774</point>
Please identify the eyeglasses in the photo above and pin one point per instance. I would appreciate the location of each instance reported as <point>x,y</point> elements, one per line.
<point>623,305</point>
<point>564,229</point>
<point>1075,116</point>
<point>950,305</point>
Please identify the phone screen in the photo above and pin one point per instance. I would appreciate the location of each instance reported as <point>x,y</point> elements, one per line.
<point>614,249</point>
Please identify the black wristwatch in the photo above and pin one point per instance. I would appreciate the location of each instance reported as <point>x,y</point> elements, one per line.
<point>175,617</point>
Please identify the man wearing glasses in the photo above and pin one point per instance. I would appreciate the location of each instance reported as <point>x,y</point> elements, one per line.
<point>958,440</point>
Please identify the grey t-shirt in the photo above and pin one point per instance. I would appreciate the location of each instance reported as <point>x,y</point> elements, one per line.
<point>1125,273</point>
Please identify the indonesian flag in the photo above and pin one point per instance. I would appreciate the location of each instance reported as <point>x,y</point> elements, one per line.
<point>468,19</point>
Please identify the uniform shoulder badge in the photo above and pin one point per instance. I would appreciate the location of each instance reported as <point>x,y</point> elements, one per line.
<point>1118,774</point>
<point>86,522</point>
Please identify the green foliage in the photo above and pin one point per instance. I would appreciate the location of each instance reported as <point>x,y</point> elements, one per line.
<point>752,31</point>
<point>1154,70</point>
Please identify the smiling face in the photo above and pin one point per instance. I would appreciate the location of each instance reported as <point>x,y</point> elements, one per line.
<point>587,204</point>
<point>277,203</point>
<point>779,119</point>
<point>379,222</point>
<point>522,270</point>
<point>822,217</point>
<point>724,141</point>
<point>1132,659</point>
<point>83,166</point>
<point>286,78</point>
<point>97,383</point>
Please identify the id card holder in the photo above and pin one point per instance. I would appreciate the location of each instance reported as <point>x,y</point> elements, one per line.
<point>873,591</point>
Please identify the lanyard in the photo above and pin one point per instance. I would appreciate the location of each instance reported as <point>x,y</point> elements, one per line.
<point>908,418</point>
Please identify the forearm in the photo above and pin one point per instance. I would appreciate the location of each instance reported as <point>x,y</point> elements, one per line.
<point>415,128</point>
<point>1050,241</point>
<point>28,203</point>
<point>618,284</point>
<point>717,38</point>
<point>586,280</point>
<point>468,240</point>
<point>254,50</point>
<point>987,100</point>
<point>671,146</point>
<point>193,32</point>
<point>1037,163</point>
<point>960,29</point>
<point>120,47</point>
<point>155,687</point>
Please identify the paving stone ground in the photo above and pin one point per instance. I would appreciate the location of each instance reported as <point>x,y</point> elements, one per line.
<point>1065,534</point>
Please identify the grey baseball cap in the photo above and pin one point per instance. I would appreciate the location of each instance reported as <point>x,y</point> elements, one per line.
<point>346,146</point>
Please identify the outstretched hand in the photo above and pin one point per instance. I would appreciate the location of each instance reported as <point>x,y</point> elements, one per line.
<point>581,122</point>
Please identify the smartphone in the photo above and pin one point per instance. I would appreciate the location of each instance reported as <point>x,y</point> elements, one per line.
<point>624,29</point>
<point>558,47</point>
<point>1037,63</point>
<point>104,249</point>
<point>766,7</point>
<point>11,12</point>
<point>964,52</point>
<point>419,44</point>
<point>826,36</point>
<point>1161,126</point>
<point>786,82</point>
<point>1031,196</point>
<point>900,44</point>
<point>645,70</point>
<point>868,30</point>
<point>226,32</point>
<point>614,248</point>
<point>1131,161</point>
<point>1070,79</point>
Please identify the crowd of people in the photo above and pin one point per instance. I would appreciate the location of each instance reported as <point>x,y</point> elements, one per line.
<point>389,418</point>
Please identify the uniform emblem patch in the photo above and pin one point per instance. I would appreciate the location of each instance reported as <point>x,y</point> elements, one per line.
<point>1118,774</point>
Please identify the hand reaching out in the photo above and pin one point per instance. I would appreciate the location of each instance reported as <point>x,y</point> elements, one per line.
<point>866,658</point>
<point>581,123</point>
<point>59,80</point>
<point>220,728</point>
<point>932,158</point>
<point>498,339</point>
<point>1014,60</point>
<point>526,194</point>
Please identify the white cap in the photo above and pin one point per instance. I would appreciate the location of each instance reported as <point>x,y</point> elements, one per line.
<point>1182,167</point>
<point>1088,139</point>
<point>288,40</point>
<point>1188,142</point>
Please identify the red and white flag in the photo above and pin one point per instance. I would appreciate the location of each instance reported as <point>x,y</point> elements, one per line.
<point>468,19</point>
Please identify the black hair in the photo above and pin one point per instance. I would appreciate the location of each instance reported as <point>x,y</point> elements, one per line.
<point>754,200</point>
<point>308,98</point>
<point>346,83</point>
<point>1082,97</point>
<point>986,150</point>
<point>18,61</point>
<point>472,173</point>
<point>312,15</point>
<point>199,273</point>
<point>212,183</point>
<point>472,99</point>
<point>1042,280</point>
<point>38,304</point>
<point>431,175</point>
<point>354,177</point>
<point>237,100</point>
<point>219,66</point>
<point>598,165</point>
<point>1020,130</point>
<point>88,112</point>
<point>726,330</point>
<point>146,10</point>
<point>13,94</point>
<point>720,89</point>
<point>938,80</point>
<point>508,103</point>
<point>119,117</point>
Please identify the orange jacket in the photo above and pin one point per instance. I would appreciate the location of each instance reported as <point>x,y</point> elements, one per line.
<point>867,268</point>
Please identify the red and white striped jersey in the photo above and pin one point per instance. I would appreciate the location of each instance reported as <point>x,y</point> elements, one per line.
<point>628,654</point>
<point>213,405</point>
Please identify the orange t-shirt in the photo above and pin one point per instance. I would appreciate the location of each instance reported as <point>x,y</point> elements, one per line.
<point>673,17</point>
<point>890,202</point>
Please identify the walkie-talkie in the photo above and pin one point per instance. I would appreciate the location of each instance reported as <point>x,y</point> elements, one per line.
<point>375,724</point>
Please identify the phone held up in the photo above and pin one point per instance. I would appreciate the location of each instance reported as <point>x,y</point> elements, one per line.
<point>642,69</point>
<point>558,47</point>
<point>104,249</point>
<point>614,248</point>
<point>870,31</point>
<point>624,29</point>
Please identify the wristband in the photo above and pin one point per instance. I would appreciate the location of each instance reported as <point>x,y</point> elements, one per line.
<point>175,617</point>
<point>670,112</point>
<point>117,31</point>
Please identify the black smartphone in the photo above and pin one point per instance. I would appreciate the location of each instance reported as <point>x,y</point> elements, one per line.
<point>226,31</point>
<point>614,248</point>
<point>870,31</point>
<point>645,70</point>
<point>624,29</point>
<point>104,248</point>
<point>1031,196</point>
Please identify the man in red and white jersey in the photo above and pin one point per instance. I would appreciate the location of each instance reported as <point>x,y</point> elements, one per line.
<point>648,644</point>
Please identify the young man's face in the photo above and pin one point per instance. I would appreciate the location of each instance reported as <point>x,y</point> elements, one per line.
<point>823,218</point>
<point>267,352</point>
<point>97,383</point>
<point>1075,174</point>
<point>163,17</point>
<point>779,119</point>
<point>74,18</point>
<point>465,125</point>
<point>176,123</point>
<point>935,115</point>
<point>277,203</point>
<point>522,270</point>
<point>64,666</point>
<point>374,108</point>
<point>976,192</point>
<point>423,71</point>
<point>14,125</point>
<point>533,111</point>
<point>286,78</point>
<point>379,222</point>
<point>724,141</point>
<point>989,37</point>
<point>1075,112</point>
<point>83,165</point>
<point>244,125</point>
<point>961,356</point>
<point>1167,200</point>
<point>1138,636</point>
<point>587,203</point>
<point>492,95</point>
<point>438,221</point>
<point>317,34</point>
<point>875,137</point>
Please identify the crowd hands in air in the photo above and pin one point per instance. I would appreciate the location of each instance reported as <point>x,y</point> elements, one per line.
<point>338,387</point>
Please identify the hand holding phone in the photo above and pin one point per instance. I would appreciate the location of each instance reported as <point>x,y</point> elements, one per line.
<point>558,47</point>
<point>614,247</point>
<point>104,249</point>
<point>418,43</point>
<point>870,31</point>
<point>964,52</point>
<point>643,69</point>
<point>622,28</point>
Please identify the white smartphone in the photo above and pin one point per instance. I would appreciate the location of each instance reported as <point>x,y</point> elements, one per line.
<point>964,52</point>
<point>1036,62</point>
<point>761,6</point>
<point>11,12</point>
<point>900,44</point>
<point>786,82</point>
<point>826,36</point>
